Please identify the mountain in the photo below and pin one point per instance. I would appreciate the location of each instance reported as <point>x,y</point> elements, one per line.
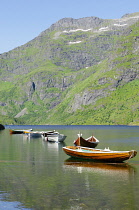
<point>78,71</point>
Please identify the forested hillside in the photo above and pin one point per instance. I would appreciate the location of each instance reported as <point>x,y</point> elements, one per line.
<point>78,71</point>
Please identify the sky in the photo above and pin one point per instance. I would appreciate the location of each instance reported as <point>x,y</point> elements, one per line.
<point>23,20</point>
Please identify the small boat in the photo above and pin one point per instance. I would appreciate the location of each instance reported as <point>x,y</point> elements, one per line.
<point>53,136</point>
<point>18,131</point>
<point>92,141</point>
<point>33,134</point>
<point>104,155</point>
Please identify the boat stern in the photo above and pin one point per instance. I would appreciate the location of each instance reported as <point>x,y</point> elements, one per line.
<point>133,153</point>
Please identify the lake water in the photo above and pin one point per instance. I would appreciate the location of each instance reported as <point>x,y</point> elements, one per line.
<point>35,174</point>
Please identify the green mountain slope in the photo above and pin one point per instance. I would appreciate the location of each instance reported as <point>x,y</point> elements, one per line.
<point>82,71</point>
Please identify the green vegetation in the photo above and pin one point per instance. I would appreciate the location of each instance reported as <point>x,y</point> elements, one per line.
<point>49,81</point>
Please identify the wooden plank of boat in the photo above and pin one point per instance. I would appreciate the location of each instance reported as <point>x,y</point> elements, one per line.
<point>18,131</point>
<point>104,155</point>
<point>91,142</point>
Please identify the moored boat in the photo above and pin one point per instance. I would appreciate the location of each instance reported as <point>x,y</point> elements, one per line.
<point>105,155</point>
<point>18,131</point>
<point>53,136</point>
<point>91,142</point>
<point>33,134</point>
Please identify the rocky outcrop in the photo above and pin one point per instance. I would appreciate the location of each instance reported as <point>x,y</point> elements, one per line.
<point>23,112</point>
<point>2,127</point>
<point>82,23</point>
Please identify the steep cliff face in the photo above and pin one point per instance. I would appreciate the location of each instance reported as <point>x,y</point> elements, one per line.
<point>74,65</point>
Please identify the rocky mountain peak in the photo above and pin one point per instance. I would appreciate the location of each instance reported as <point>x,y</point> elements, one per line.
<point>71,23</point>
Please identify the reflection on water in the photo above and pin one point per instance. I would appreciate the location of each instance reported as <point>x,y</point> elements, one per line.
<point>55,145</point>
<point>9,205</point>
<point>109,169</point>
<point>38,175</point>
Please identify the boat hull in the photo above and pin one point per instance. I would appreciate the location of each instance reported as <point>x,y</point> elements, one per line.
<point>33,134</point>
<point>91,142</point>
<point>99,154</point>
<point>19,131</point>
<point>55,138</point>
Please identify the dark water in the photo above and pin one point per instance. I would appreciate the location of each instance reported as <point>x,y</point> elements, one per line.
<point>38,175</point>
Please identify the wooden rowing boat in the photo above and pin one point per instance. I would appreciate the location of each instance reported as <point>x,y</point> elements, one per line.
<point>19,131</point>
<point>105,155</point>
<point>92,141</point>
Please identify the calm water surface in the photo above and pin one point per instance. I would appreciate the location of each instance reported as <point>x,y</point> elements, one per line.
<point>35,174</point>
